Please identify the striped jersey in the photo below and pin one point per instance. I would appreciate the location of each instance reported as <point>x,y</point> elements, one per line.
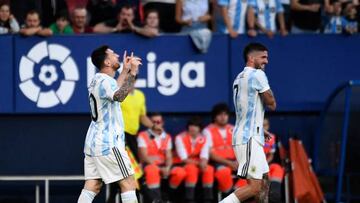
<point>335,25</point>
<point>249,107</point>
<point>106,129</point>
<point>237,14</point>
<point>266,11</point>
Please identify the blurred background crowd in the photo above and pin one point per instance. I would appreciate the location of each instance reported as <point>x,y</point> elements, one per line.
<point>152,18</point>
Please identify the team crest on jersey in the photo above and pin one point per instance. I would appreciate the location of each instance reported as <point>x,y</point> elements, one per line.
<point>253,169</point>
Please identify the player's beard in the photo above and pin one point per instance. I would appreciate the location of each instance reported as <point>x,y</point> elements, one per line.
<point>260,66</point>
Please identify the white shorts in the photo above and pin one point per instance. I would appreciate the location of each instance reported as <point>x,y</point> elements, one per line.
<point>252,160</point>
<point>110,168</point>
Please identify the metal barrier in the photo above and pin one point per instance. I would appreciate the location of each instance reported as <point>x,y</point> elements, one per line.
<point>47,180</point>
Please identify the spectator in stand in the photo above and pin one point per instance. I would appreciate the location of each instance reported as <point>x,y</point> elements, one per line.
<point>335,23</point>
<point>266,12</point>
<point>79,19</point>
<point>306,16</point>
<point>119,25</point>
<point>194,17</point>
<point>61,25</point>
<point>135,5</point>
<point>8,23</point>
<point>151,27</point>
<point>166,10</point>
<point>234,16</point>
<point>350,15</point>
<point>33,27</point>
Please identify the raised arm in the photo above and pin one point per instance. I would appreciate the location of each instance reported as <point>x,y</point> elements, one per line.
<point>127,77</point>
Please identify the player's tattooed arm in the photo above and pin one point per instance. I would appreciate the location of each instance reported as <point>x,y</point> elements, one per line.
<point>127,76</point>
<point>125,88</point>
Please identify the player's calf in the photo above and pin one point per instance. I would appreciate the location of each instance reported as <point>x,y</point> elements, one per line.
<point>91,189</point>
<point>128,187</point>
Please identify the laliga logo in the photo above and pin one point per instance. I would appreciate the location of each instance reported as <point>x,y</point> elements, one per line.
<point>166,76</point>
<point>50,59</point>
<point>169,84</point>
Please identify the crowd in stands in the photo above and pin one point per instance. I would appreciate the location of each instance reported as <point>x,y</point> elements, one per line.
<point>200,159</point>
<point>199,18</point>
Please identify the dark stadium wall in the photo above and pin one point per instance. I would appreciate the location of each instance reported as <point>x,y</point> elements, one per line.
<point>53,144</point>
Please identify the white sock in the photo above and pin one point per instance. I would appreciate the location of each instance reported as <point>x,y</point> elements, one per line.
<point>230,199</point>
<point>86,196</point>
<point>129,197</point>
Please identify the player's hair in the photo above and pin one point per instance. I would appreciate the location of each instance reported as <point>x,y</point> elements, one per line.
<point>196,121</point>
<point>98,56</point>
<point>252,47</point>
<point>218,109</point>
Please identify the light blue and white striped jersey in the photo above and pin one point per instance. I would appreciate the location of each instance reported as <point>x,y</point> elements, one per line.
<point>266,11</point>
<point>237,14</point>
<point>106,129</point>
<point>249,107</point>
<point>335,25</point>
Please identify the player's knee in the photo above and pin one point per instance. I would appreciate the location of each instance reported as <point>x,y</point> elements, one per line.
<point>93,185</point>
